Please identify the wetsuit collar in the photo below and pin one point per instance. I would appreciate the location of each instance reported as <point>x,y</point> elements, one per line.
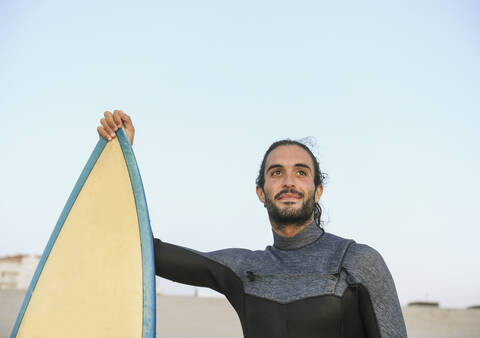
<point>308,235</point>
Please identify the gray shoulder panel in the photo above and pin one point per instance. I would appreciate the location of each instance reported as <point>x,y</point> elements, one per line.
<point>367,267</point>
<point>338,247</point>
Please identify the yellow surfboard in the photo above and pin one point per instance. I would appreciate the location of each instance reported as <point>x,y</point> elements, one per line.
<point>96,277</point>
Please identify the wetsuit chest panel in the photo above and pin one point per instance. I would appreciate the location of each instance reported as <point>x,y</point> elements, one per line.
<point>285,287</point>
<point>315,317</point>
<point>285,276</point>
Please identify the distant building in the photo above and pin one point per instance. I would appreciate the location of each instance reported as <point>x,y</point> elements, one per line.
<point>427,304</point>
<point>16,272</point>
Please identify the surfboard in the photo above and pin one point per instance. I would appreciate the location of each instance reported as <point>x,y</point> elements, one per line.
<point>96,277</point>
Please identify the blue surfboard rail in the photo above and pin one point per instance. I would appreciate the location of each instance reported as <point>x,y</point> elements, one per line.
<point>148,262</point>
<point>146,237</point>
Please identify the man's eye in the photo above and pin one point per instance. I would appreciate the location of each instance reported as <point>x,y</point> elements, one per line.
<point>302,173</point>
<point>275,173</point>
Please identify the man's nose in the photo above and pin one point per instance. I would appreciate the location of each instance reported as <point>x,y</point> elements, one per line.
<point>288,180</point>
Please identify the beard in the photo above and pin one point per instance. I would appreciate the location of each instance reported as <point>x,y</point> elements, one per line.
<point>289,215</point>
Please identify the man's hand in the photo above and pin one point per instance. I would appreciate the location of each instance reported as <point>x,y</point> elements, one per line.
<point>112,122</point>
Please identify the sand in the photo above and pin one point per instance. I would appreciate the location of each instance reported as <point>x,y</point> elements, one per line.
<point>442,323</point>
<point>202,317</point>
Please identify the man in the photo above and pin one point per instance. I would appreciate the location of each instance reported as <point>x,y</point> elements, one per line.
<point>309,283</point>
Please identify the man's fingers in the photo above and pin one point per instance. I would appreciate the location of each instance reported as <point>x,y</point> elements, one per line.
<point>103,133</point>
<point>110,122</point>
<point>122,119</point>
<point>107,128</point>
<point>117,118</point>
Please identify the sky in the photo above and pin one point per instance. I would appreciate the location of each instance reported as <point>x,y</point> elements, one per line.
<point>388,91</point>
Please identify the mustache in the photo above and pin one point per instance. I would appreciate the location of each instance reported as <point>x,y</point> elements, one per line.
<point>286,191</point>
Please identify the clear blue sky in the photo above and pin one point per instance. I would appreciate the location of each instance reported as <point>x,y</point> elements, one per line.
<point>389,91</point>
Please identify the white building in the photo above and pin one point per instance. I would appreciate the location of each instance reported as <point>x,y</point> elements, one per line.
<point>16,272</point>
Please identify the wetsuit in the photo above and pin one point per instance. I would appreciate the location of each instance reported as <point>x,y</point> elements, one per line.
<point>313,284</point>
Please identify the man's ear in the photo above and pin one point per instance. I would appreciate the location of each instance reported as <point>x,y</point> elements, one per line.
<point>318,193</point>
<point>261,194</point>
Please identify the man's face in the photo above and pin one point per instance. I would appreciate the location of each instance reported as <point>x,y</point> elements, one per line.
<point>289,192</point>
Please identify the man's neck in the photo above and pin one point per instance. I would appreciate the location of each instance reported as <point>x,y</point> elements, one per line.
<point>291,229</point>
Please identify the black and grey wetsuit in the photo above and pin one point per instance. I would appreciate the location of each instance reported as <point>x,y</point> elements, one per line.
<point>313,284</point>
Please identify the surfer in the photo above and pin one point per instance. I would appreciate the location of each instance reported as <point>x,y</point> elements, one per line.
<point>309,283</point>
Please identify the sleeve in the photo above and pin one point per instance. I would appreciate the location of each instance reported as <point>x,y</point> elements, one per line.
<point>187,266</point>
<point>379,304</point>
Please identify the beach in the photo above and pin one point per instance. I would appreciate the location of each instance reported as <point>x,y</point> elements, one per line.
<point>211,317</point>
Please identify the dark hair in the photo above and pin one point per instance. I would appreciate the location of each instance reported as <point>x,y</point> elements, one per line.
<point>318,178</point>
